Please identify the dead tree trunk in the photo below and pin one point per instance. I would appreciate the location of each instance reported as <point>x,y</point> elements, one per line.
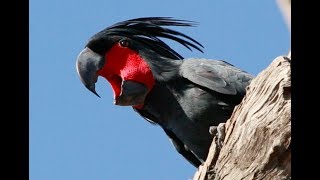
<point>258,134</point>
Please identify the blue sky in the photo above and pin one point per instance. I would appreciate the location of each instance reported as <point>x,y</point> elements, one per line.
<point>75,135</point>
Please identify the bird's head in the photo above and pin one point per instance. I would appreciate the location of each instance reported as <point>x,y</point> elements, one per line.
<point>123,52</point>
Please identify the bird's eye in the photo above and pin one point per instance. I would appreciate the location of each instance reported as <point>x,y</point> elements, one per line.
<point>124,43</point>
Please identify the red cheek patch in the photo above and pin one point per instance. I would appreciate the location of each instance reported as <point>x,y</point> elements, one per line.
<point>115,82</point>
<point>121,64</point>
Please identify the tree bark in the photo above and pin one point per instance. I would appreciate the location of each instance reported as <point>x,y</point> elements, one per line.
<point>258,134</point>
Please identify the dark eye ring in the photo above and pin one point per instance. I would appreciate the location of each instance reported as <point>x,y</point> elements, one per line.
<point>124,43</point>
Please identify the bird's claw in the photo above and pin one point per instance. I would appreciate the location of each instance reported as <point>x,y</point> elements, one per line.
<point>219,133</point>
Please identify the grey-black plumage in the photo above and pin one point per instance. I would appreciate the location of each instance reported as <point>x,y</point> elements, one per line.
<point>185,97</point>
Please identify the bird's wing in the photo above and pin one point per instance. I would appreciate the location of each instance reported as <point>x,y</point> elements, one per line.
<point>182,149</point>
<point>216,75</point>
<point>177,143</point>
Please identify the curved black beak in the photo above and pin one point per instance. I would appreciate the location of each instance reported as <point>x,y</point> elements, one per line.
<point>88,63</point>
<point>132,93</point>
<point>92,88</point>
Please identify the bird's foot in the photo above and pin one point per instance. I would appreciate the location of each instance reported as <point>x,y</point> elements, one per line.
<point>219,133</point>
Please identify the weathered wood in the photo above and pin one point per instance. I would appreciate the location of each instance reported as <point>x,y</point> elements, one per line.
<point>258,134</point>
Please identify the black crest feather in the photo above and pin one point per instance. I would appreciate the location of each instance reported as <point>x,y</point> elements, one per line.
<point>149,30</point>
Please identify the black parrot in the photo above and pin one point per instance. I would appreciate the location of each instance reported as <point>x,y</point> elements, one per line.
<point>185,97</point>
